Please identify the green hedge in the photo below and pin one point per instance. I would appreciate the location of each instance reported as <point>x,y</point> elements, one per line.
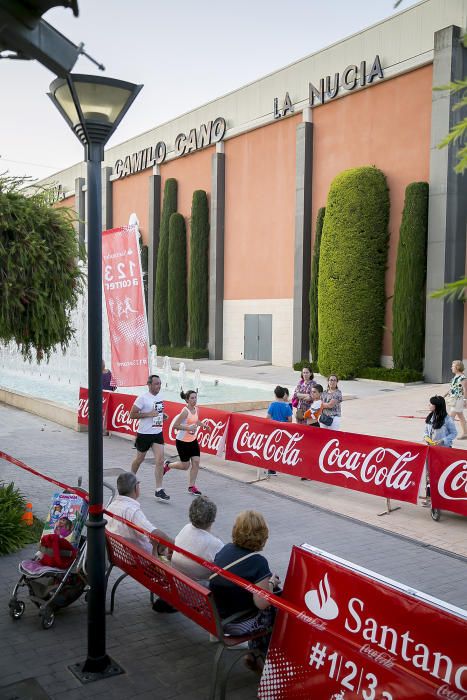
<point>40,276</point>
<point>408,306</point>
<point>198,309</point>
<point>161,319</point>
<point>191,353</point>
<point>314,285</point>
<point>351,285</point>
<point>298,366</point>
<point>177,291</point>
<point>383,374</point>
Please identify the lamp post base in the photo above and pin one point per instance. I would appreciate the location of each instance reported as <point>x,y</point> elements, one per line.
<point>93,670</point>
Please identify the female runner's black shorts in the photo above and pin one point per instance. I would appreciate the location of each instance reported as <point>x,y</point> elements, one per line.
<point>187,450</point>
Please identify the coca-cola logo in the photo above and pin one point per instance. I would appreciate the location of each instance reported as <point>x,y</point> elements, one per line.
<point>382,465</point>
<point>83,408</point>
<point>208,440</point>
<point>453,481</point>
<point>121,420</point>
<point>280,445</point>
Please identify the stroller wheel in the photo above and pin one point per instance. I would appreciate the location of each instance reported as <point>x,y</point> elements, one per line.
<point>48,619</point>
<point>17,609</point>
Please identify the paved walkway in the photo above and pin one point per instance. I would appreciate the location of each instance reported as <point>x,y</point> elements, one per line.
<point>167,656</point>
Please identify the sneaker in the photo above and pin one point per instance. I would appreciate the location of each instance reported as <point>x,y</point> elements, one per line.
<point>303,478</point>
<point>271,472</point>
<point>161,495</point>
<point>194,491</point>
<point>166,466</point>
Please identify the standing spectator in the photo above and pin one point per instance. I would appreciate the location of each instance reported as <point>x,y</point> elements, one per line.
<point>279,410</point>
<point>439,430</point>
<point>149,410</point>
<point>301,399</point>
<point>332,399</point>
<point>187,424</point>
<point>456,397</point>
<point>107,379</point>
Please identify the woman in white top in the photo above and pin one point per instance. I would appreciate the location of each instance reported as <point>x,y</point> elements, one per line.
<point>187,424</point>
<point>196,538</point>
<point>456,397</point>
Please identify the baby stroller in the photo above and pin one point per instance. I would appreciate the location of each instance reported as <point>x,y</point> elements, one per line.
<point>56,577</point>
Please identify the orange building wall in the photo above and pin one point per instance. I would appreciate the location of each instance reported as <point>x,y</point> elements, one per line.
<point>68,202</point>
<point>386,125</point>
<point>260,212</point>
<point>131,194</point>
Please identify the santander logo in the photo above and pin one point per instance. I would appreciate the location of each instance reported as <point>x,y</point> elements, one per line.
<point>320,601</point>
<point>382,465</point>
<point>453,480</point>
<point>280,445</point>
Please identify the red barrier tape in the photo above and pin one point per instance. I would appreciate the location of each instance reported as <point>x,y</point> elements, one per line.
<point>251,587</point>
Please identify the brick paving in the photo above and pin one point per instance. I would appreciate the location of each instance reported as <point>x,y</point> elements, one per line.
<point>167,656</point>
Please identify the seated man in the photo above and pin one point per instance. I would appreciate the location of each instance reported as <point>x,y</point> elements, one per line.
<point>196,537</point>
<point>126,505</point>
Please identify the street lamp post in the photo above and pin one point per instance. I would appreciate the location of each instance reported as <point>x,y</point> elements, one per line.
<point>93,107</point>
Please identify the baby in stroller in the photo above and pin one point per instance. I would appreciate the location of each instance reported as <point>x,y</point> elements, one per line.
<point>56,576</point>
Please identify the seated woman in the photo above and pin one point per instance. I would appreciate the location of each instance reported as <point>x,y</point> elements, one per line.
<point>241,557</point>
<point>196,537</point>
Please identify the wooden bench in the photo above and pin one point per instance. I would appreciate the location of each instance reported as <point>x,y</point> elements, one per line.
<point>189,597</point>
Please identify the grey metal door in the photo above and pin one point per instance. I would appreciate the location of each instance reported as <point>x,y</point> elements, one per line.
<point>258,337</point>
<point>251,325</point>
<point>265,337</point>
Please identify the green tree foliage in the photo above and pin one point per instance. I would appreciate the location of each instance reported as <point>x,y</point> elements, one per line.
<point>161,320</point>
<point>14,534</point>
<point>177,288</point>
<point>351,296</point>
<point>40,275</point>
<point>314,286</point>
<point>408,305</point>
<point>199,270</point>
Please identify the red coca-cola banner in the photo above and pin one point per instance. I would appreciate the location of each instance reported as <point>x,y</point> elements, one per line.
<point>83,406</point>
<point>367,638</point>
<point>375,465</point>
<point>118,421</point>
<point>448,479</point>
<point>124,298</point>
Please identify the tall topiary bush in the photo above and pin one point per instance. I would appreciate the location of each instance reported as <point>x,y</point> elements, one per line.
<point>40,275</point>
<point>351,295</point>
<point>408,306</point>
<point>161,320</point>
<point>177,288</point>
<point>314,286</point>
<point>199,271</point>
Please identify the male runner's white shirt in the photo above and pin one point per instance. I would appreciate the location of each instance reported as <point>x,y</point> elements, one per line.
<point>130,509</point>
<point>146,403</point>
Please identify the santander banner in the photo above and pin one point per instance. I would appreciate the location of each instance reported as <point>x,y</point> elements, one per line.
<point>210,438</point>
<point>375,465</point>
<point>362,637</point>
<point>448,479</point>
<point>124,299</point>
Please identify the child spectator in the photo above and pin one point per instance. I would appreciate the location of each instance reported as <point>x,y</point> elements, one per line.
<point>314,412</point>
<point>280,410</point>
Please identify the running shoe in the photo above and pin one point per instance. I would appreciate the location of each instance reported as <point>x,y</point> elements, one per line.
<point>161,495</point>
<point>194,491</point>
<point>166,466</point>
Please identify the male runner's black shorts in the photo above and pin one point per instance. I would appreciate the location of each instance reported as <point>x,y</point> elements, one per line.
<point>145,440</point>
